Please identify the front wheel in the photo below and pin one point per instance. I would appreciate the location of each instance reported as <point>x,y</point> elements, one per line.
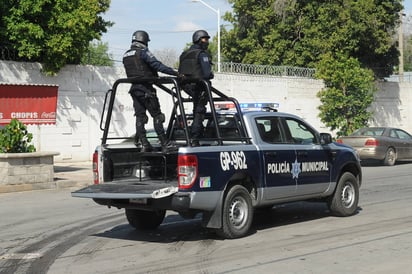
<point>344,201</point>
<point>145,220</point>
<point>237,213</point>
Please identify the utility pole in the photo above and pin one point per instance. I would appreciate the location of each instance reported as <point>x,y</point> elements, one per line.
<point>400,37</point>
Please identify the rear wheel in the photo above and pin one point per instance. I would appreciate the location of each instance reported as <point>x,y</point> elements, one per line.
<point>344,201</point>
<point>145,220</point>
<point>237,213</point>
<point>390,157</point>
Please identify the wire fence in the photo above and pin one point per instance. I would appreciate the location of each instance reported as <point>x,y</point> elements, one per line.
<point>406,77</point>
<point>6,53</point>
<point>230,67</point>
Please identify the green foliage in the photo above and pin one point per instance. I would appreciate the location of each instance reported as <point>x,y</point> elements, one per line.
<point>54,33</point>
<point>298,33</point>
<point>349,42</point>
<point>97,55</point>
<point>348,93</point>
<point>408,53</point>
<point>14,138</point>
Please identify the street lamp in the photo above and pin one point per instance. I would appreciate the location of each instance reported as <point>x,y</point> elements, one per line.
<point>217,11</point>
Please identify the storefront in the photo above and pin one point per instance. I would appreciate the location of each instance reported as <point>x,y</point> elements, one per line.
<point>29,103</point>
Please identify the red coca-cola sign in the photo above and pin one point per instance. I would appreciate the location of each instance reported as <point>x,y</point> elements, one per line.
<point>29,103</point>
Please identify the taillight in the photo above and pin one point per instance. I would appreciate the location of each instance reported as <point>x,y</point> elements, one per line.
<point>339,141</point>
<point>372,142</point>
<point>95,168</point>
<point>186,170</point>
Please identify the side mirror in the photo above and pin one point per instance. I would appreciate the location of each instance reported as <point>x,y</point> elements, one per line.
<point>325,138</point>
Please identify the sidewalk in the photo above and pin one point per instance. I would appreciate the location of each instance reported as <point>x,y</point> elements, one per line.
<point>76,174</point>
<point>73,174</point>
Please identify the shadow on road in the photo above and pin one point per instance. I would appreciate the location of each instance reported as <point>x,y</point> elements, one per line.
<point>174,228</point>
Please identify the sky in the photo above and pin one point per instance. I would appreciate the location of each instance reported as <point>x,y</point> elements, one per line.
<point>170,23</point>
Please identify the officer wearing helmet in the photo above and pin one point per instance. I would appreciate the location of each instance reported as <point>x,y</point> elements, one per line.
<point>195,64</point>
<point>138,61</point>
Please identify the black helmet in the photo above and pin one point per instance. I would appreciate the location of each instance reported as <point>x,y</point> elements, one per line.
<point>140,36</point>
<point>199,34</point>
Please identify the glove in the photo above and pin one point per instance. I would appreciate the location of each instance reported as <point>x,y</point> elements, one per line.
<point>181,77</point>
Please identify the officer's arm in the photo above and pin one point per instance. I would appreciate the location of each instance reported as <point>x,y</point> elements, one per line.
<point>155,64</point>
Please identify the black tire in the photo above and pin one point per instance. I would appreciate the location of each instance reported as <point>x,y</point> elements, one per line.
<point>390,157</point>
<point>237,213</point>
<point>344,202</point>
<point>145,220</point>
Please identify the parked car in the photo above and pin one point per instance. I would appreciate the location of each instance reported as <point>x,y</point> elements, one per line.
<point>385,144</point>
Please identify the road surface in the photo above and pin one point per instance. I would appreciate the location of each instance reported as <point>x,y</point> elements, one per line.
<point>51,232</point>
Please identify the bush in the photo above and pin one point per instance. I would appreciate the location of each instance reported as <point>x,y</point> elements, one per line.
<point>14,138</point>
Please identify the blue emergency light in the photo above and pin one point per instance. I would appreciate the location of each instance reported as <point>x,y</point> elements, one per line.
<point>247,106</point>
<point>258,106</point>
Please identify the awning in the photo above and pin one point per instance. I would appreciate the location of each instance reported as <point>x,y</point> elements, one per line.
<point>29,103</point>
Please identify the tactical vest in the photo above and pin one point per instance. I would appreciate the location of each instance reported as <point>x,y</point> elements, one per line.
<point>189,64</point>
<point>134,65</point>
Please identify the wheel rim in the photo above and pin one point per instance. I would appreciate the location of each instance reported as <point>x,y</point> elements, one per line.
<point>348,195</point>
<point>238,212</point>
<point>391,156</point>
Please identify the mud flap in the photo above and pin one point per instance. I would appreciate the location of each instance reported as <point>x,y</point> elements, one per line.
<point>213,219</point>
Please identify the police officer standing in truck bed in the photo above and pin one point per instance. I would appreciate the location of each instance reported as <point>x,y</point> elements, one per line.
<point>140,62</point>
<point>195,64</point>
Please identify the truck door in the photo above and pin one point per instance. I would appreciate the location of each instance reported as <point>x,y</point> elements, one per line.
<point>314,161</point>
<point>278,157</point>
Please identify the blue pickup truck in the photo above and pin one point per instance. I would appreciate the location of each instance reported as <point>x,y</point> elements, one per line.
<point>247,159</point>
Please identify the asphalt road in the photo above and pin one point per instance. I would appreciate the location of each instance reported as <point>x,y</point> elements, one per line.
<point>48,231</point>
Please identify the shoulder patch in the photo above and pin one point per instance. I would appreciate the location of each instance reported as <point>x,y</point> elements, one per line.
<point>129,53</point>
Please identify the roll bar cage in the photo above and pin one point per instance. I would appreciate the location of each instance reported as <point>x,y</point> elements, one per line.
<point>175,91</point>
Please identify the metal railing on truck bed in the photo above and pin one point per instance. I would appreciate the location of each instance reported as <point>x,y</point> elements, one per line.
<point>173,86</point>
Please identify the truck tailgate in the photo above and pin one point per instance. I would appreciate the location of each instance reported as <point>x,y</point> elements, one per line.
<point>127,190</point>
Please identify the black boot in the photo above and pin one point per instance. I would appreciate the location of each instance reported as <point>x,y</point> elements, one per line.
<point>146,146</point>
<point>167,146</point>
<point>195,143</point>
<point>137,141</point>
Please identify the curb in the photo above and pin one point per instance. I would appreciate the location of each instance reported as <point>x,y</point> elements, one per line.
<point>42,186</point>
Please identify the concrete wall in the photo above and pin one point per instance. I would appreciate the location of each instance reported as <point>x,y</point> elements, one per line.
<point>82,90</point>
<point>393,105</point>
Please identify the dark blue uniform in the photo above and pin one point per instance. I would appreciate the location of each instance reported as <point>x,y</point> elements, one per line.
<point>195,63</point>
<point>140,62</point>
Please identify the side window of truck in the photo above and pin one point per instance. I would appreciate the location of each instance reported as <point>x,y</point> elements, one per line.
<point>270,130</point>
<point>300,133</point>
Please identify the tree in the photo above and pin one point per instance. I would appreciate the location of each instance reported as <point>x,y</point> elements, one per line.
<point>349,42</point>
<point>297,33</point>
<point>169,57</point>
<point>348,93</point>
<point>408,53</point>
<point>54,33</point>
<point>97,55</point>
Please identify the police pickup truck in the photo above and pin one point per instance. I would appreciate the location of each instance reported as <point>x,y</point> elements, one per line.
<point>246,160</point>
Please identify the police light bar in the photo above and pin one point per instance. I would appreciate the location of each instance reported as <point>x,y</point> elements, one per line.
<point>258,106</point>
<point>247,106</point>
